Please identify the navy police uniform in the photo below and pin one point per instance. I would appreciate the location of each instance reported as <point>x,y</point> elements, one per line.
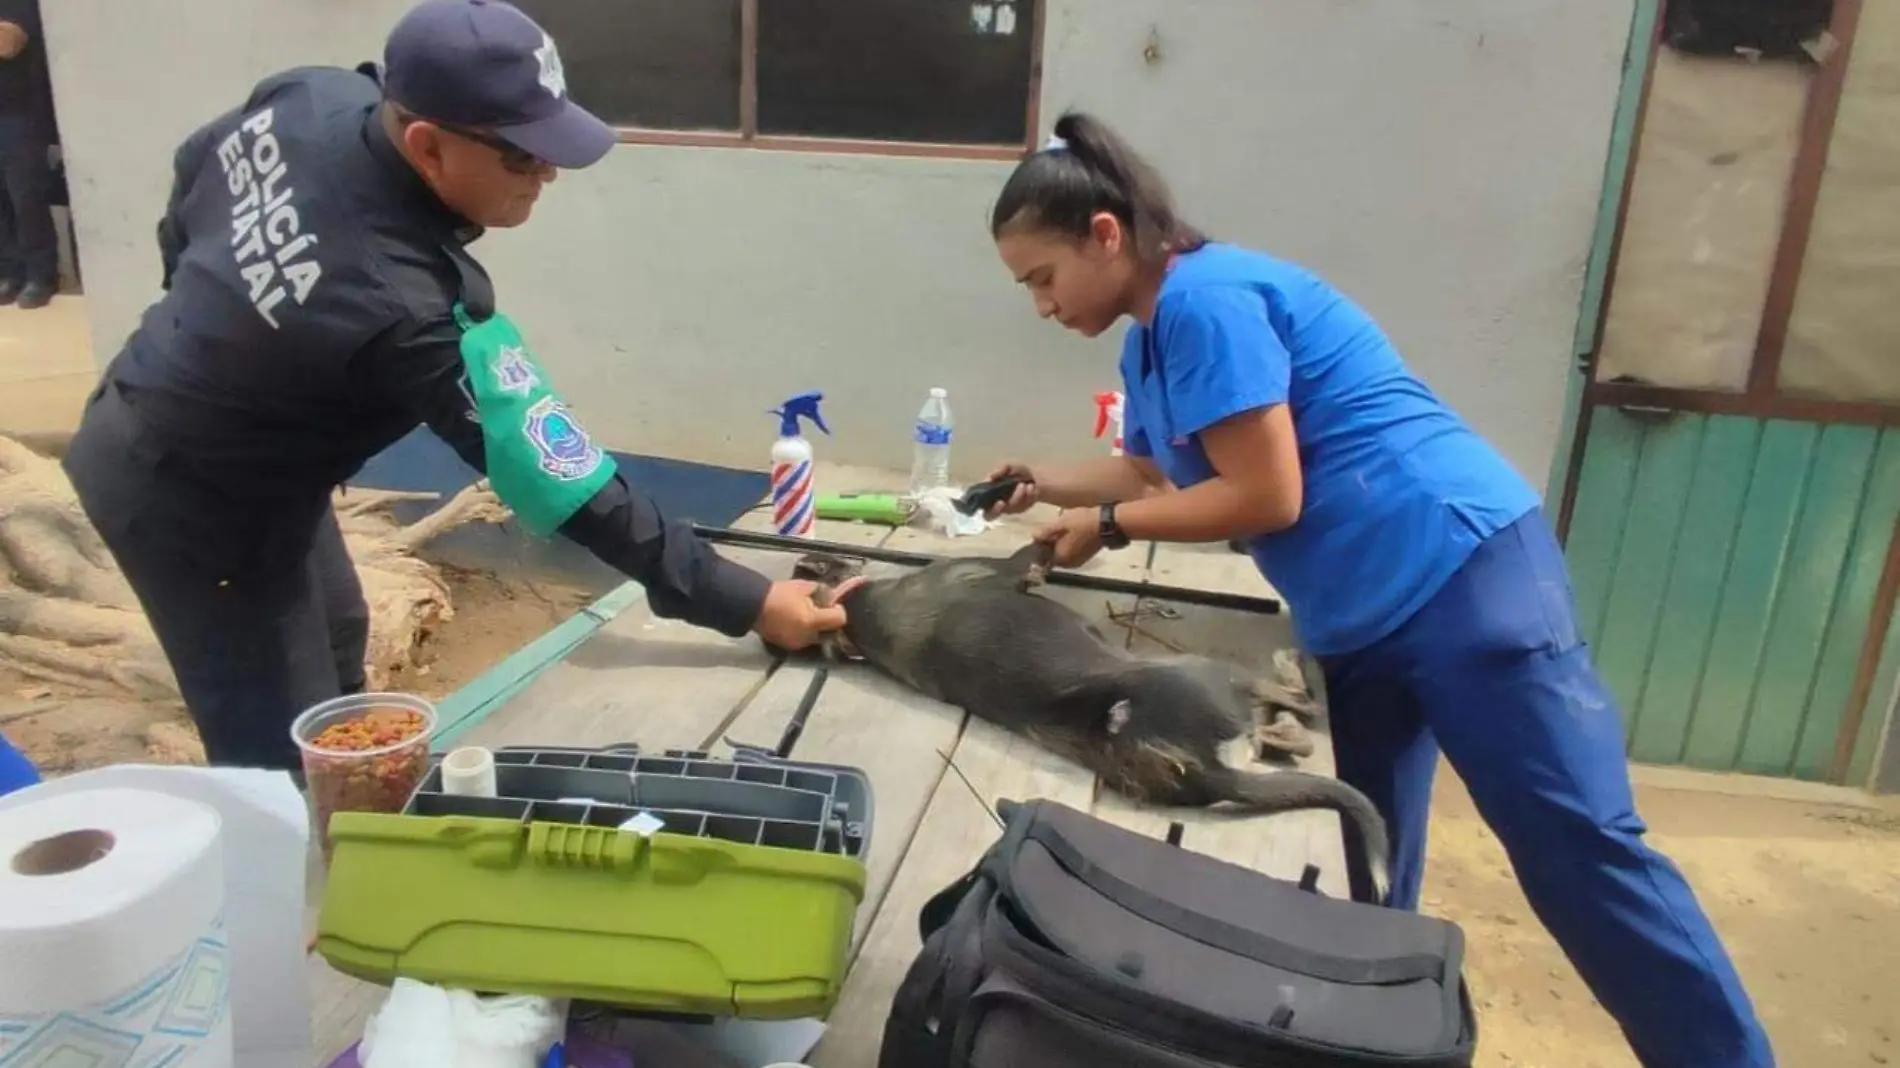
<point>29,245</point>
<point>309,320</point>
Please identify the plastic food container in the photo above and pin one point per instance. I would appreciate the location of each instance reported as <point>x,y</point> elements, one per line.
<point>364,752</point>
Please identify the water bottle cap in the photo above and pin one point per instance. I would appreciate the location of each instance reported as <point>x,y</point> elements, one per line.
<point>939,392</point>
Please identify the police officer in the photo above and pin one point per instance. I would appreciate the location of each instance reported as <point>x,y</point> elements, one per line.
<point>320,303</point>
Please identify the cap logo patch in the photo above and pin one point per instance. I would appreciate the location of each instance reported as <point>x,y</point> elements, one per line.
<point>552,77</point>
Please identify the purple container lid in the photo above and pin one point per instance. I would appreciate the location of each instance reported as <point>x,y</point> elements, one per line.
<point>580,1052</point>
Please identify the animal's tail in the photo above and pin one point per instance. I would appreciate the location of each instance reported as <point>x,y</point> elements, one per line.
<point>1288,791</point>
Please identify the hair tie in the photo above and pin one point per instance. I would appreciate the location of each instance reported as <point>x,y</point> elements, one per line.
<point>1055,144</point>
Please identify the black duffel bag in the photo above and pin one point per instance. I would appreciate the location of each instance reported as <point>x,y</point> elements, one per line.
<point>1075,942</point>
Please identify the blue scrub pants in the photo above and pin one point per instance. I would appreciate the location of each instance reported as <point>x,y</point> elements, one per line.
<point>1493,671</point>
<point>16,771</point>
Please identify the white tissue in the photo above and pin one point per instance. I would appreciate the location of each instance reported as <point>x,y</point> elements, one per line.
<point>939,507</point>
<point>424,1026</point>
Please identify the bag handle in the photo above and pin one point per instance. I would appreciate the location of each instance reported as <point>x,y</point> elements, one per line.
<point>1352,971</point>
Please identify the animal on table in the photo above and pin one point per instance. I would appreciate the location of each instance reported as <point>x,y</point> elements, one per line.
<point>973,633</point>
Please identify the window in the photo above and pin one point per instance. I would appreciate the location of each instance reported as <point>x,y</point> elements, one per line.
<point>1843,341</point>
<point>949,77</point>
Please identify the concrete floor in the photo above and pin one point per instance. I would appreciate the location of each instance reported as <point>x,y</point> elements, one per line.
<point>46,366</point>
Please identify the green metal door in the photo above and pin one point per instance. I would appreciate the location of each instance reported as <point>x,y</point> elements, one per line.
<point>1733,497</point>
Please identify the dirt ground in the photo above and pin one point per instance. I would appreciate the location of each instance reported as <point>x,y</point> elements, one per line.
<point>494,616</point>
<point>1807,897</point>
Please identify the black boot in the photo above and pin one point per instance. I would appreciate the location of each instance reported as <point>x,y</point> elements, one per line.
<point>35,295</point>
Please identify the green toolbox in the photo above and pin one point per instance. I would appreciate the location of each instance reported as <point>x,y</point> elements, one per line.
<point>676,883</point>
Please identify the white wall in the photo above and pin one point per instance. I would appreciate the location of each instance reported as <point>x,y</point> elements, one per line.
<point>1440,161</point>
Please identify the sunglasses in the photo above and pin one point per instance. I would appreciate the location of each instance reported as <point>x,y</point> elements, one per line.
<point>514,158</point>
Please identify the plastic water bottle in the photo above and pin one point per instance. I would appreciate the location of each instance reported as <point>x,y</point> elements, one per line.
<point>930,444</point>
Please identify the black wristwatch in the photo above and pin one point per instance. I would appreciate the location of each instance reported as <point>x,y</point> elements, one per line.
<point>1113,537</point>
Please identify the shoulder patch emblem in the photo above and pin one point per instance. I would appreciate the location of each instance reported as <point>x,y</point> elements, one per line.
<point>565,450</point>
<point>514,373</point>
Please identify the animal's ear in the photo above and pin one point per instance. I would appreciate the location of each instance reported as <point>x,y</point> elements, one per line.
<point>1118,714</point>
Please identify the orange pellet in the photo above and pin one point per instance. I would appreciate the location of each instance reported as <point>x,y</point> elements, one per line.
<point>381,783</point>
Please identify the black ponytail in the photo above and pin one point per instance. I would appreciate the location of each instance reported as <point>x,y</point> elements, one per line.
<point>1092,170</point>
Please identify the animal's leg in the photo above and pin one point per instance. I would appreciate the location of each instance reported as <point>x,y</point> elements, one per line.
<point>1268,696</point>
<point>1030,565</point>
<point>828,571</point>
<point>1279,727</point>
<point>1288,672</point>
<point>1282,734</point>
<point>825,568</point>
<point>1156,772</point>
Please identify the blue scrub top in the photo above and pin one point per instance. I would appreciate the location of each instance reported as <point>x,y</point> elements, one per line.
<point>1398,490</point>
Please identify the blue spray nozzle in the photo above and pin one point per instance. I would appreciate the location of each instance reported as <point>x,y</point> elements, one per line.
<point>805,404</point>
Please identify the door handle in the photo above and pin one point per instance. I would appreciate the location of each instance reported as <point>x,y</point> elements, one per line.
<point>1648,412</point>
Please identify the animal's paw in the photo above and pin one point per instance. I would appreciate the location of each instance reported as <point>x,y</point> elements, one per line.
<point>1036,575</point>
<point>1283,736</point>
<point>1271,697</point>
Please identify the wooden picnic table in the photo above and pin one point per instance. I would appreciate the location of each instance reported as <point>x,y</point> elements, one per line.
<point>666,684</point>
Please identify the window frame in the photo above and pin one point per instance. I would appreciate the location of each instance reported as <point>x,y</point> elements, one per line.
<point>748,136</point>
<point>1762,396</point>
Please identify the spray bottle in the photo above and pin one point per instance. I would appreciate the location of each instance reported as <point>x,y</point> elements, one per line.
<point>794,502</point>
<point>1108,408</point>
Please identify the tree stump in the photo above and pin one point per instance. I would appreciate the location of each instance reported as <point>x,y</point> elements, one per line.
<point>71,627</point>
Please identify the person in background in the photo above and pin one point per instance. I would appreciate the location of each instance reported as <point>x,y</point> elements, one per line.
<point>1262,404</point>
<point>29,245</point>
<point>320,303</point>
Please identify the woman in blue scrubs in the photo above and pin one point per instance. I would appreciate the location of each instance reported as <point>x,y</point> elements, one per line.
<point>1420,571</point>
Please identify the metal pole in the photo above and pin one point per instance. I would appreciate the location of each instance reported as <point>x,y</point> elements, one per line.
<point>1208,598</point>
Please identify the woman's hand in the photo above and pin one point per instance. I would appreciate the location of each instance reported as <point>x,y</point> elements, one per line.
<point>796,612</point>
<point>1026,494</point>
<point>1076,535</point>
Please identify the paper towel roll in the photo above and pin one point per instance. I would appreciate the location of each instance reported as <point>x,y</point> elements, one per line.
<point>112,930</point>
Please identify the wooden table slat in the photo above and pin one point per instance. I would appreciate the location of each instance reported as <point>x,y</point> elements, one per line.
<point>954,831</point>
<point>667,685</point>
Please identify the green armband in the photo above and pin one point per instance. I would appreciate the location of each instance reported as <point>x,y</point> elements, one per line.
<point>540,461</point>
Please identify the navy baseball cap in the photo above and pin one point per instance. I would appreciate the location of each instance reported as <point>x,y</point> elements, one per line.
<point>484,63</point>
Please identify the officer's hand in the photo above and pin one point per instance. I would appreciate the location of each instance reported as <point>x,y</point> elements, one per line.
<point>1025,496</point>
<point>796,612</point>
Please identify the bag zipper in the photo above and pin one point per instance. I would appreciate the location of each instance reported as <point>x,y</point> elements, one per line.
<point>1097,982</point>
